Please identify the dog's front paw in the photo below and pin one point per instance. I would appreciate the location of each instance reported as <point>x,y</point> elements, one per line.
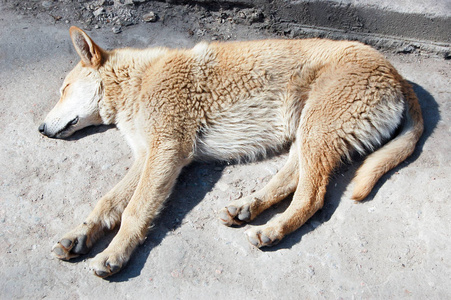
<point>71,245</point>
<point>263,236</point>
<point>106,264</point>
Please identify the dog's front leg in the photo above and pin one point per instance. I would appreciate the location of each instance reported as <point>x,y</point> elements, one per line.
<point>106,214</point>
<point>159,174</point>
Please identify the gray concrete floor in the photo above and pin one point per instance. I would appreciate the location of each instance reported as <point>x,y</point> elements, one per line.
<point>394,245</point>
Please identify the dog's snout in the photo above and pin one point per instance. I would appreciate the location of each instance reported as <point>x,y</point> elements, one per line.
<point>42,128</point>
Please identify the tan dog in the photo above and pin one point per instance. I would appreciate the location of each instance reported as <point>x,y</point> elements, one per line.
<point>233,101</point>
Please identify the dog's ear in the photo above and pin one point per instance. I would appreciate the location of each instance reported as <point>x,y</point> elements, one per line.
<point>91,55</point>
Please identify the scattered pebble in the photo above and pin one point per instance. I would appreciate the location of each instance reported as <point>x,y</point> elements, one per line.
<point>201,32</point>
<point>47,4</point>
<point>99,11</point>
<point>150,17</point>
<point>407,49</point>
<point>256,17</point>
<point>239,195</point>
<point>117,29</point>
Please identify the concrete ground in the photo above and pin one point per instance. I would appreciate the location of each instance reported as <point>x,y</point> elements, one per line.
<point>394,245</point>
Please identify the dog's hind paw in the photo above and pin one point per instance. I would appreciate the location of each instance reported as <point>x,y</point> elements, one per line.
<point>106,264</point>
<point>235,215</point>
<point>240,211</point>
<point>263,236</point>
<point>70,247</point>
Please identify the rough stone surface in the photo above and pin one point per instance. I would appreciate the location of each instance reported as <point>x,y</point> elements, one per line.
<point>394,245</point>
<point>405,21</point>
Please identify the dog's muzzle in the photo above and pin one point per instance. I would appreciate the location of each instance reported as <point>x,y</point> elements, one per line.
<point>44,130</point>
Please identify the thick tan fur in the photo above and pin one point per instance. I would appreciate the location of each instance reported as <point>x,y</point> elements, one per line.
<point>233,101</point>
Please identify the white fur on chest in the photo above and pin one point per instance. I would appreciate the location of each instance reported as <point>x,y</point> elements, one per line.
<point>133,134</point>
<point>250,129</point>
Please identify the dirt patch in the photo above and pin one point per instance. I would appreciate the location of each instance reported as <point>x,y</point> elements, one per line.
<point>216,20</point>
<point>221,20</point>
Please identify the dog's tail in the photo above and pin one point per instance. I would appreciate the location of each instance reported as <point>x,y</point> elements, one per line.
<point>395,151</point>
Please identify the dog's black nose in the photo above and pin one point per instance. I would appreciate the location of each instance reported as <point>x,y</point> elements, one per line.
<point>42,128</point>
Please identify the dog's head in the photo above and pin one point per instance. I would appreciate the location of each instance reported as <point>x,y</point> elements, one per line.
<point>81,91</point>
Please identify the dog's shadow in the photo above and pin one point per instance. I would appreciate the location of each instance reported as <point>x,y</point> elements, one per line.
<point>88,131</point>
<point>198,179</point>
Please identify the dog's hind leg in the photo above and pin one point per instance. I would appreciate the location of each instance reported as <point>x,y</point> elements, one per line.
<point>317,159</point>
<point>349,109</point>
<point>106,215</point>
<point>277,189</point>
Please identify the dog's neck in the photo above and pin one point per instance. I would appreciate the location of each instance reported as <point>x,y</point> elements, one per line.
<point>122,72</point>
